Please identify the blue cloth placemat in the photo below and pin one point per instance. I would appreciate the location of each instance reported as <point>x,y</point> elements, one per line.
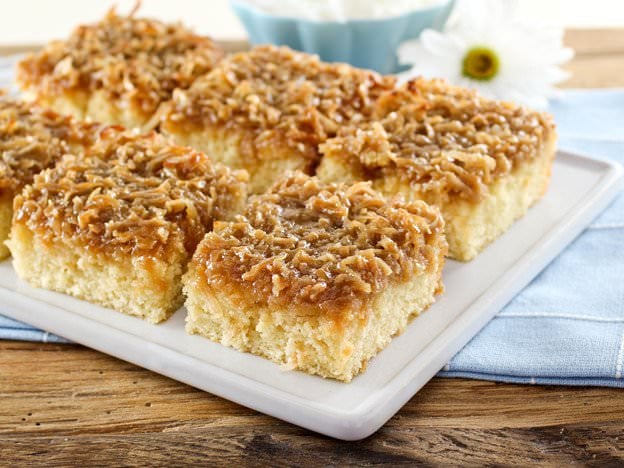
<point>567,326</point>
<point>13,330</point>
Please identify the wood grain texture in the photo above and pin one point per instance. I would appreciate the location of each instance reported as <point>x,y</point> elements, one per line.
<point>71,405</point>
<point>68,405</point>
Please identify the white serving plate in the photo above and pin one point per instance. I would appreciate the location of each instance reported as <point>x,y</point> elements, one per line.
<point>581,187</point>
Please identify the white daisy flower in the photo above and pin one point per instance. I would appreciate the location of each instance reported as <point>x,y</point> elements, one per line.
<point>484,46</point>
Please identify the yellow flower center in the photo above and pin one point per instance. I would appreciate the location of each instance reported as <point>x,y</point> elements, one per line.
<point>480,63</point>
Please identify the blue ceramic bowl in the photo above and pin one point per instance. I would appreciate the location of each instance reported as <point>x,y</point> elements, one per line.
<point>363,43</point>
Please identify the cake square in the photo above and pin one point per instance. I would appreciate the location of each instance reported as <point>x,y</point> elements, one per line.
<point>482,162</point>
<point>117,225</point>
<point>317,277</point>
<point>118,70</point>
<point>31,139</point>
<point>268,109</point>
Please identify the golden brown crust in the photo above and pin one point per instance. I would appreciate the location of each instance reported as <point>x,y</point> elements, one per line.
<point>278,97</point>
<point>131,195</point>
<point>443,140</point>
<point>136,62</point>
<point>32,139</point>
<point>318,248</point>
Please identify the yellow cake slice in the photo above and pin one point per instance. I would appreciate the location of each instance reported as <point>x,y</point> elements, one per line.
<point>31,139</point>
<point>268,109</point>
<point>118,70</point>
<point>117,225</point>
<point>317,277</point>
<point>482,162</point>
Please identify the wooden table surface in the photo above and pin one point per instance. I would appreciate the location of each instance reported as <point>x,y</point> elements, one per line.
<point>67,404</point>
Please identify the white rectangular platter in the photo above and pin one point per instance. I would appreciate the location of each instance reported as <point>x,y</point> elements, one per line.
<point>581,187</point>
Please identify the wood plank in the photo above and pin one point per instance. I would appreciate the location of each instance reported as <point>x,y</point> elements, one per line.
<point>260,446</point>
<point>64,403</point>
<point>595,41</point>
<point>602,71</point>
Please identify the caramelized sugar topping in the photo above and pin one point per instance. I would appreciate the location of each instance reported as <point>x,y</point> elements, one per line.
<point>443,140</point>
<point>280,95</point>
<point>310,246</point>
<point>32,139</point>
<point>131,194</point>
<point>133,59</point>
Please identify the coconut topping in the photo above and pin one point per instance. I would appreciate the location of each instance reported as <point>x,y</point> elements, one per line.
<point>279,95</point>
<point>442,140</point>
<point>311,246</point>
<point>132,194</point>
<point>32,139</point>
<point>140,61</point>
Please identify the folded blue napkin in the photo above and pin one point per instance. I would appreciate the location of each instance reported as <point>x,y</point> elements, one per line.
<point>567,326</point>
